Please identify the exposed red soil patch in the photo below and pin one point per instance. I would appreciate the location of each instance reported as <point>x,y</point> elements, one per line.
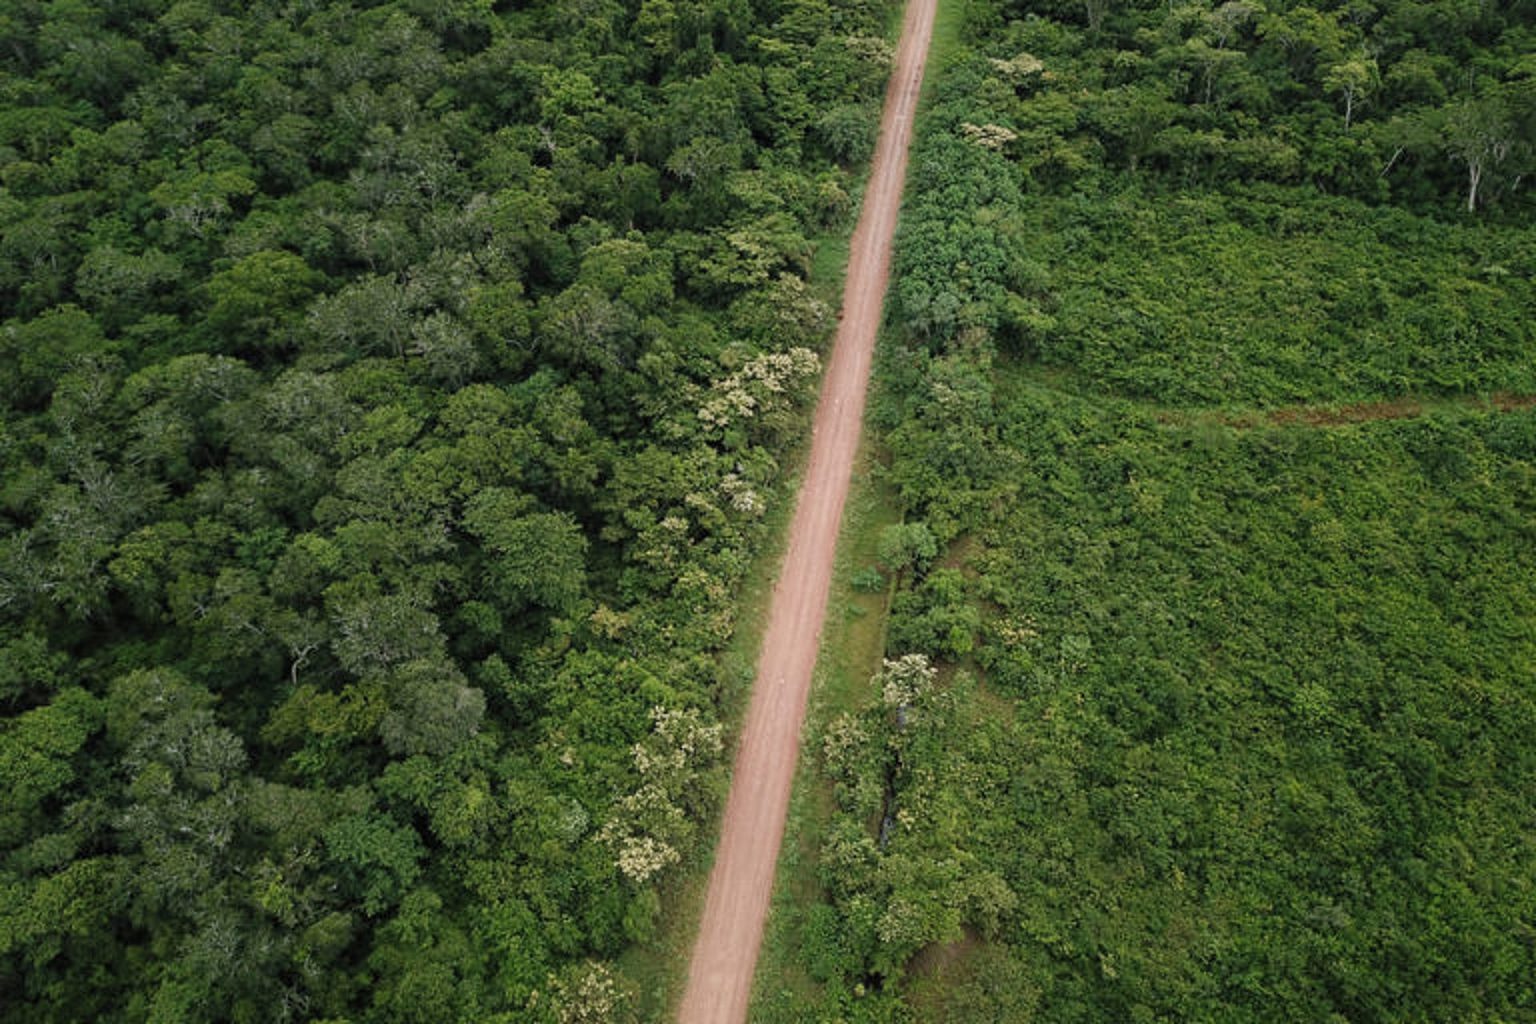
<point>1406,408</point>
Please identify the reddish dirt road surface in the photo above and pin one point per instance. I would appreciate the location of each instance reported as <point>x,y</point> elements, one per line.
<point>736,906</point>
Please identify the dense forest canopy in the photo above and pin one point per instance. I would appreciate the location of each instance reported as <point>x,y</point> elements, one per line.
<point>1208,399</point>
<point>1416,102</point>
<point>393,393</point>
<point>1288,225</point>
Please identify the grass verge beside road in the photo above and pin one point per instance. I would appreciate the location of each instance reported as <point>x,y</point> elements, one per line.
<point>852,644</point>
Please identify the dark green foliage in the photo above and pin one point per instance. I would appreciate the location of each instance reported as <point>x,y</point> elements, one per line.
<point>1269,297</point>
<point>1214,385</point>
<point>392,397</point>
<point>1266,747</point>
<point>1081,200</point>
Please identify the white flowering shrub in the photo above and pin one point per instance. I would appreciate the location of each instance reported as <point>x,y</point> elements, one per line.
<point>905,679</point>
<point>762,385</point>
<point>589,993</point>
<point>650,828</point>
<point>989,136</point>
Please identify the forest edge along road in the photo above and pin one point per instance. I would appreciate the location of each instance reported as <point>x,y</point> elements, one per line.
<point>736,905</point>
<point>741,882</point>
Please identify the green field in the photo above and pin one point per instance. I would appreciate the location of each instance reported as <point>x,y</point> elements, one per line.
<point>1251,736</point>
<point>1225,685</point>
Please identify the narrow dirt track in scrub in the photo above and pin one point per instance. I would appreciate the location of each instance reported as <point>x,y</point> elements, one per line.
<point>1350,414</point>
<point>736,904</point>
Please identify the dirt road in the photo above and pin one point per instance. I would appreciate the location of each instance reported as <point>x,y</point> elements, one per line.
<point>736,906</point>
